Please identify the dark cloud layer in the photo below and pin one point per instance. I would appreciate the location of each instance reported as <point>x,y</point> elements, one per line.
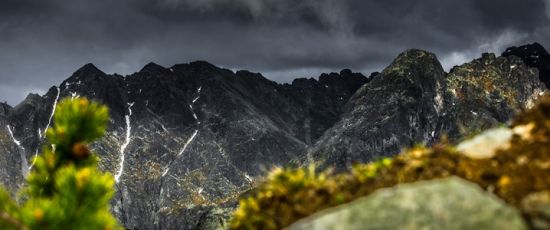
<point>43,42</point>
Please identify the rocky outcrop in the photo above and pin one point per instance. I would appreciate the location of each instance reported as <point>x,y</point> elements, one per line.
<point>535,56</point>
<point>487,92</point>
<point>439,204</point>
<point>415,101</point>
<point>397,108</point>
<point>11,166</point>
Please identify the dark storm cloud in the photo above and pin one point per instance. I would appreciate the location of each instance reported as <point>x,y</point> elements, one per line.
<point>43,42</point>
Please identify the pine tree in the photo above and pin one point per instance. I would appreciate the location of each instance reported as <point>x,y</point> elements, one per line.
<point>65,190</point>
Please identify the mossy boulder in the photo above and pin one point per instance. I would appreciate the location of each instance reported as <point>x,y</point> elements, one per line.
<point>451,203</point>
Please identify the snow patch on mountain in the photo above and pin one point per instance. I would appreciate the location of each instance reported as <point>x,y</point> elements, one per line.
<point>126,142</point>
<point>53,112</point>
<point>24,163</point>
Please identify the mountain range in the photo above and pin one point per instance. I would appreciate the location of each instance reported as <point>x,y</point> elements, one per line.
<point>185,142</point>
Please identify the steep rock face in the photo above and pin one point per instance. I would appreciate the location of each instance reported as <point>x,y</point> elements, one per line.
<point>200,142</point>
<point>414,101</point>
<point>11,167</point>
<point>535,56</point>
<point>22,132</point>
<point>487,92</point>
<point>323,99</point>
<point>397,108</point>
<point>185,141</point>
<point>4,110</point>
<point>31,117</point>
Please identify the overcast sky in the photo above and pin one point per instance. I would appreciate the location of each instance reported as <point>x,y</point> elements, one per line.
<point>44,42</point>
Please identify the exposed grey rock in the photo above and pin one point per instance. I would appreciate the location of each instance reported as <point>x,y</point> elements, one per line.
<point>439,204</point>
<point>185,141</point>
<point>10,158</point>
<point>414,101</point>
<point>398,108</point>
<point>534,55</point>
<point>487,92</point>
<point>4,110</point>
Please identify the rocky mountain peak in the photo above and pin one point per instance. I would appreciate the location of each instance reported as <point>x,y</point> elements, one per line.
<point>303,82</point>
<point>88,69</point>
<point>152,68</point>
<point>398,107</point>
<point>343,76</point>
<point>415,57</point>
<point>346,72</point>
<point>416,69</point>
<point>86,73</point>
<point>31,99</point>
<point>201,70</point>
<point>534,55</point>
<point>27,116</point>
<point>414,101</point>
<point>488,56</point>
<point>202,64</point>
<point>196,66</point>
<point>417,66</point>
<point>531,49</point>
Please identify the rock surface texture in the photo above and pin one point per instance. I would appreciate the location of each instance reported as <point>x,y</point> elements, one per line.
<point>534,55</point>
<point>414,101</point>
<point>439,204</point>
<point>185,142</point>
